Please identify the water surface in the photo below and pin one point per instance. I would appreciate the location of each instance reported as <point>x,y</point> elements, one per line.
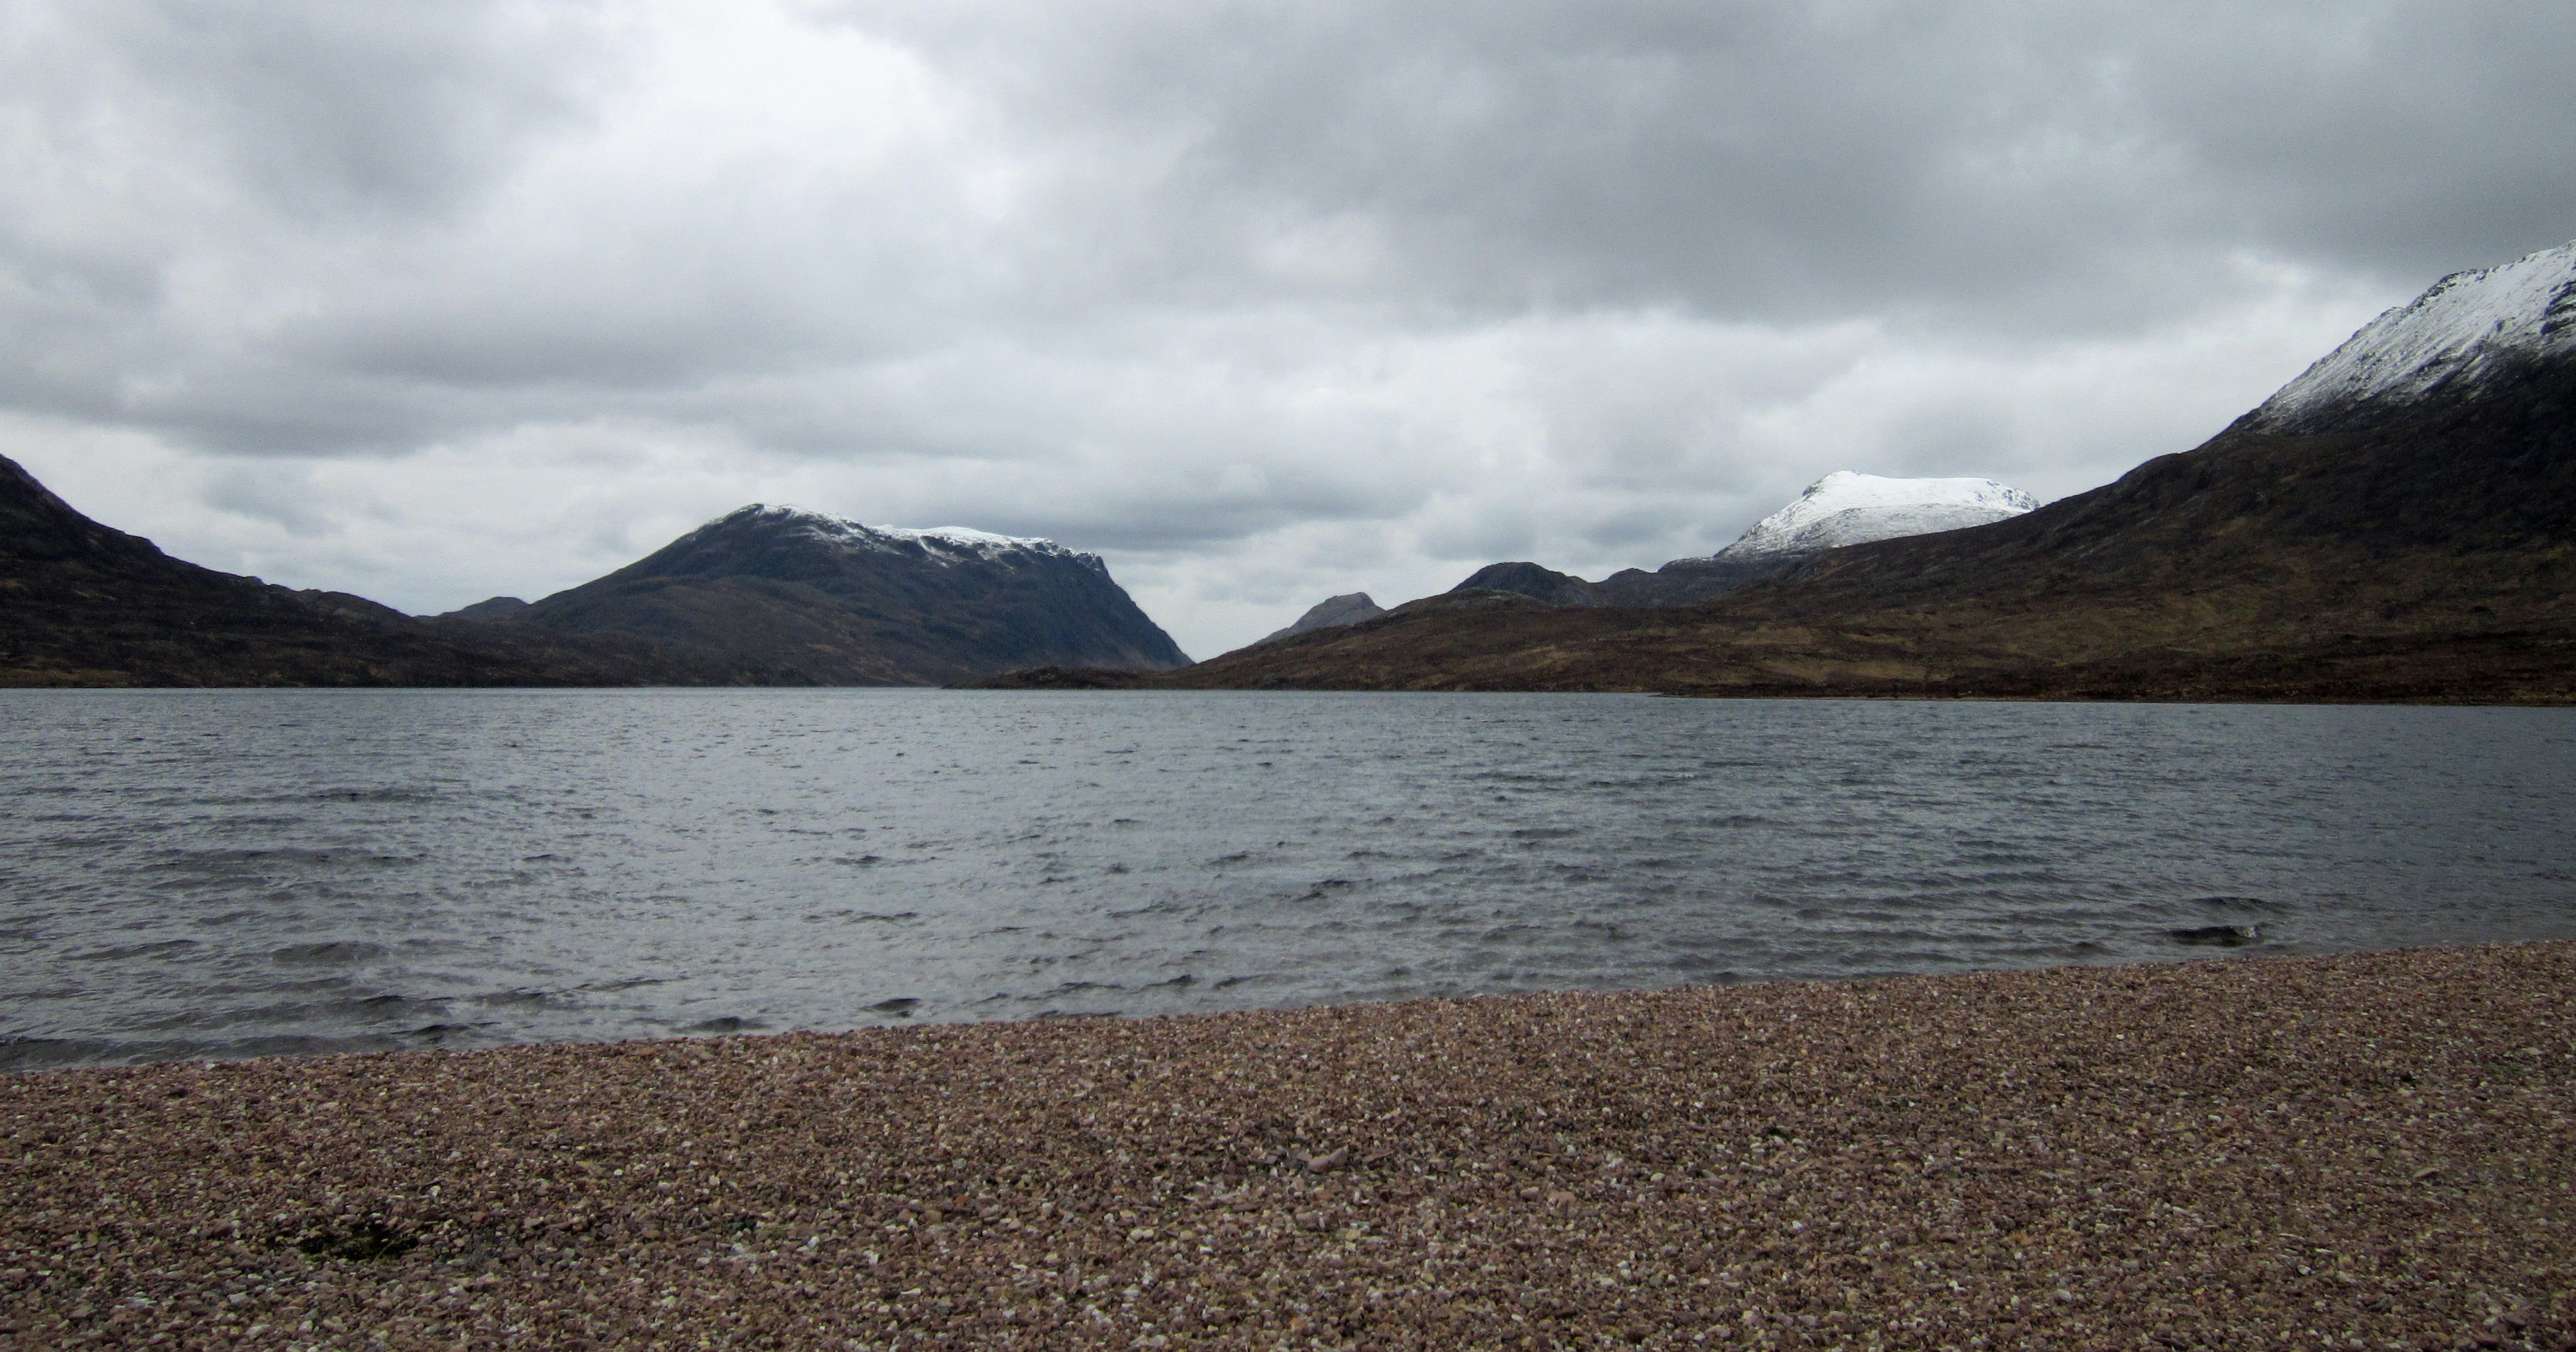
<point>220,873</point>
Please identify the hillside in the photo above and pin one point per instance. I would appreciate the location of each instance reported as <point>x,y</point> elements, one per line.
<point>2398,524</point>
<point>84,605</point>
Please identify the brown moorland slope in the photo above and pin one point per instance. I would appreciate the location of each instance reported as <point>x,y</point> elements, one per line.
<point>2424,553</point>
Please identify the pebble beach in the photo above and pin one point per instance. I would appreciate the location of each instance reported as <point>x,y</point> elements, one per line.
<point>2364,1151</point>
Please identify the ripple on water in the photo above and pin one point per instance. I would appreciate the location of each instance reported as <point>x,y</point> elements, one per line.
<point>355,870</point>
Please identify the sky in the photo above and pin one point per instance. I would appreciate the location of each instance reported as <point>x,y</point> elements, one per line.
<point>1261,302</point>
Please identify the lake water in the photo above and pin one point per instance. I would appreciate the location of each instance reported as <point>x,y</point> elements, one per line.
<point>225,873</point>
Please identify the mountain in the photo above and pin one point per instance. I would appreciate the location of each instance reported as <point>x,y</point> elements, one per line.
<point>1532,581</point>
<point>2472,331</point>
<point>813,598</point>
<point>83,604</point>
<point>1332,612</point>
<point>494,608</point>
<point>2398,523</point>
<point>1844,508</point>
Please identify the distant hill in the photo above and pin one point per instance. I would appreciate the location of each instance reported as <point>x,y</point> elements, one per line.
<point>2397,523</point>
<point>1843,508</point>
<point>1330,613</point>
<point>817,599</point>
<point>82,604</point>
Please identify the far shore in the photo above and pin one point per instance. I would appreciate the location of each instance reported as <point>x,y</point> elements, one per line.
<point>2372,1150</point>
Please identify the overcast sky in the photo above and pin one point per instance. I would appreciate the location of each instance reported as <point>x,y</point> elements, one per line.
<point>1263,302</point>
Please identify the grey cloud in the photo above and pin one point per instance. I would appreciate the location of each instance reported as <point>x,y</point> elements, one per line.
<point>1806,161</point>
<point>329,107</point>
<point>1494,276</point>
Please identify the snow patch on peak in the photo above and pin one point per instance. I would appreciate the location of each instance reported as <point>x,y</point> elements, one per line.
<point>1845,508</point>
<point>2466,324</point>
<point>944,544</point>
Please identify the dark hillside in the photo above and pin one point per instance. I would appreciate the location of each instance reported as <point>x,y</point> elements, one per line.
<point>81,604</point>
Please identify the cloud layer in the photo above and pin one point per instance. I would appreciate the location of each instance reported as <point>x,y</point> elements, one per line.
<point>1263,302</point>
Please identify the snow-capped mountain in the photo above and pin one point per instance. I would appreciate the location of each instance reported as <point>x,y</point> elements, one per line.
<point>1844,508</point>
<point>2467,326</point>
<point>813,597</point>
<point>943,544</point>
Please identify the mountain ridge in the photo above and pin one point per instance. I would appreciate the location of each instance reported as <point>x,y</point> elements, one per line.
<point>2412,539</point>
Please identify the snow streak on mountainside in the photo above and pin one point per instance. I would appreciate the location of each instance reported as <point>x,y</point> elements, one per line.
<point>944,544</point>
<point>2453,334</point>
<point>1844,508</point>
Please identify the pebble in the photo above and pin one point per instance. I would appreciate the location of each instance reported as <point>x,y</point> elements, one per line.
<point>2366,1149</point>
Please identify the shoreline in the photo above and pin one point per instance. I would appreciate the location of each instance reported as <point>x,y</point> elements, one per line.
<point>2254,1152</point>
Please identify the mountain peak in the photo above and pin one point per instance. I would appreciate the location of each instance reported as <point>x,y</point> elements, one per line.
<point>1333,612</point>
<point>1849,508</point>
<point>2461,329</point>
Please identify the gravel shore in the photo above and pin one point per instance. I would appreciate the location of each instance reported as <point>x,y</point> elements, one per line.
<point>2368,1151</point>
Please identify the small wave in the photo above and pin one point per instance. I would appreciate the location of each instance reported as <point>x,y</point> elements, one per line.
<point>440,1033</point>
<point>165,947</point>
<point>2256,905</point>
<point>333,953</point>
<point>388,794</point>
<point>727,1024</point>
<point>2217,936</point>
<point>24,1054</point>
<point>628,984</point>
<point>520,999</point>
<point>241,856</point>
